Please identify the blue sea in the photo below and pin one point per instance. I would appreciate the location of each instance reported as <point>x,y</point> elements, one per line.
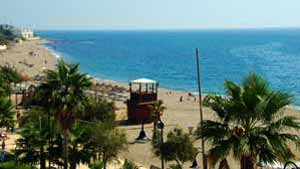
<point>169,56</point>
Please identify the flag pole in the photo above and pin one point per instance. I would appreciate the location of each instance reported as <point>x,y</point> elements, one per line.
<point>200,109</point>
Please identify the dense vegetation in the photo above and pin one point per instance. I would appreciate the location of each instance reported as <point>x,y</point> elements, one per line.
<point>177,148</point>
<point>61,116</point>
<point>8,76</point>
<point>251,125</point>
<point>62,125</point>
<point>6,35</point>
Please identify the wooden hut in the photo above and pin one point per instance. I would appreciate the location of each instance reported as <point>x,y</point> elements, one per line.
<point>143,94</point>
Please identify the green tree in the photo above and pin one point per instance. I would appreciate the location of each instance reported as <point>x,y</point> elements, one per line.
<point>35,131</point>
<point>108,142</point>
<point>66,88</point>
<point>250,123</point>
<point>178,147</point>
<point>7,113</point>
<point>156,111</point>
<point>80,146</point>
<point>99,110</point>
<point>8,75</point>
<point>97,165</point>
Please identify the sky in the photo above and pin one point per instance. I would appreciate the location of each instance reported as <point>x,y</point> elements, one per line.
<point>150,14</point>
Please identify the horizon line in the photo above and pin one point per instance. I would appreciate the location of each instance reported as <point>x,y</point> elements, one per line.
<point>165,29</point>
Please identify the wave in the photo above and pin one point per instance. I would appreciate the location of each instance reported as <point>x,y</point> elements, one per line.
<point>55,53</point>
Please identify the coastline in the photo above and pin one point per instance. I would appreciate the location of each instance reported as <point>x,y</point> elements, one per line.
<point>178,114</point>
<point>30,58</point>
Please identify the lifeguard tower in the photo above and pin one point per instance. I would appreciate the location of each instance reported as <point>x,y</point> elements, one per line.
<point>143,94</point>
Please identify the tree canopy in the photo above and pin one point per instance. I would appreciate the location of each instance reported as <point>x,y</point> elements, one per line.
<point>178,147</point>
<point>250,123</point>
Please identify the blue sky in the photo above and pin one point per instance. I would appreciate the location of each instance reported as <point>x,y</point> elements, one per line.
<point>150,14</point>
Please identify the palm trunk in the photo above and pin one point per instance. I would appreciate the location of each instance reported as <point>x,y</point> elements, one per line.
<point>247,162</point>
<point>154,126</point>
<point>42,158</point>
<point>65,150</point>
<point>104,162</point>
<point>72,159</point>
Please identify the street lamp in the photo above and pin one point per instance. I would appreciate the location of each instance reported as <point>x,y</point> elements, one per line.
<point>161,126</point>
<point>290,165</point>
<point>142,138</point>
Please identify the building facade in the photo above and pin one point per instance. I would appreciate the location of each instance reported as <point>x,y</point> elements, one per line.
<point>26,34</point>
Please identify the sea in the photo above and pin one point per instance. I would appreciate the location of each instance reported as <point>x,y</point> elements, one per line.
<point>168,56</point>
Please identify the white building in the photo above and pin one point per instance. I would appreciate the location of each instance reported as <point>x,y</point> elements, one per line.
<point>26,34</point>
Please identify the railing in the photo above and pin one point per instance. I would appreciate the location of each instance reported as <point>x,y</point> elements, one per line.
<point>143,97</point>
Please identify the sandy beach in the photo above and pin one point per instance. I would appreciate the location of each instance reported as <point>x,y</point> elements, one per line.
<point>31,58</point>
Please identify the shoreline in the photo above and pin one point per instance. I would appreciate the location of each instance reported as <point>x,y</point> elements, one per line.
<point>178,114</point>
<point>58,55</point>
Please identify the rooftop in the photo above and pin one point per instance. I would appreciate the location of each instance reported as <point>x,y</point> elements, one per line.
<point>143,81</point>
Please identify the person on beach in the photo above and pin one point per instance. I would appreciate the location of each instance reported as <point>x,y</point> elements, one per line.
<point>181,99</point>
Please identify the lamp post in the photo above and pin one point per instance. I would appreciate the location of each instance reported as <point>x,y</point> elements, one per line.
<point>161,126</point>
<point>142,138</point>
<point>204,162</point>
<point>290,165</point>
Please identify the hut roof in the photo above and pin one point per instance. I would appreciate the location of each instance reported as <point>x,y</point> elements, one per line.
<point>143,81</point>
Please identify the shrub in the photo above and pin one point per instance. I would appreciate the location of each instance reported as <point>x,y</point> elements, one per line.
<point>97,165</point>
<point>13,165</point>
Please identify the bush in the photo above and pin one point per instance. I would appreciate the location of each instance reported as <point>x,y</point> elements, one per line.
<point>13,165</point>
<point>175,166</point>
<point>97,165</point>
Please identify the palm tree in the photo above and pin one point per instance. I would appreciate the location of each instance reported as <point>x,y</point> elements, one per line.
<point>80,147</point>
<point>8,75</point>
<point>250,123</point>
<point>7,113</point>
<point>34,135</point>
<point>66,87</point>
<point>156,111</point>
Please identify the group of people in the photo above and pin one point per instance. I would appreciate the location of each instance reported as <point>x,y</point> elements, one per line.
<point>189,97</point>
